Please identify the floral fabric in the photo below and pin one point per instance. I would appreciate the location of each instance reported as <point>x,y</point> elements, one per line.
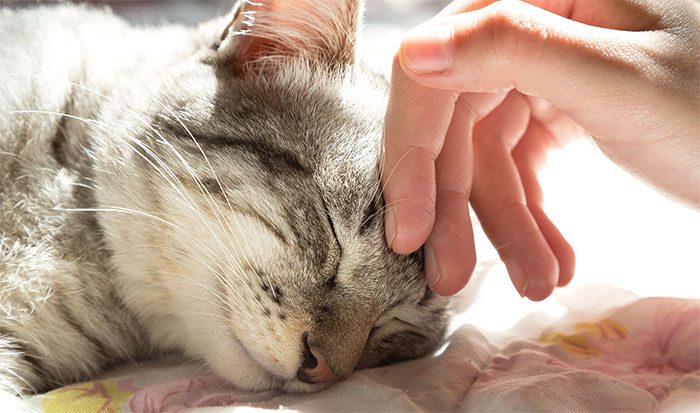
<point>643,355</point>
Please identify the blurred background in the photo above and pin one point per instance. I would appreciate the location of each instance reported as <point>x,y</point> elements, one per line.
<point>386,20</point>
<point>624,233</point>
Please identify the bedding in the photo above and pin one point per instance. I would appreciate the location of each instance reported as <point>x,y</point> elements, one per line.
<point>638,354</point>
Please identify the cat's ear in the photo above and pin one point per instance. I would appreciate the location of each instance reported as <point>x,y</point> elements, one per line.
<point>264,32</point>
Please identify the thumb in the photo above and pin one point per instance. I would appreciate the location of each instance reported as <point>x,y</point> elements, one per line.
<point>512,44</point>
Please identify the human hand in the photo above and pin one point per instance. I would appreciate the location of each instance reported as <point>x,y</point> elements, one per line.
<point>626,71</point>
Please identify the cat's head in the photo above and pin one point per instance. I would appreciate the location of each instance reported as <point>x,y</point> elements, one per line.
<point>261,162</point>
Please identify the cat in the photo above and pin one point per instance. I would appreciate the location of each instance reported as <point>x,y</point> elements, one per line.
<point>212,191</point>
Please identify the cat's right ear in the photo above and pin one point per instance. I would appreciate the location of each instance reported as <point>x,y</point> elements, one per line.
<point>263,33</point>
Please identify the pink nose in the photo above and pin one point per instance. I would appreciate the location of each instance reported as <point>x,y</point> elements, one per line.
<point>314,368</point>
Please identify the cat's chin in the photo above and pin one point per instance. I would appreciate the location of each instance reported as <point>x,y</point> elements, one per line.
<point>286,384</point>
<point>264,381</point>
<point>296,386</point>
<point>279,384</point>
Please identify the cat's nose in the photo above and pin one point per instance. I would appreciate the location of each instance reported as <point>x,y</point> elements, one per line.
<point>314,367</point>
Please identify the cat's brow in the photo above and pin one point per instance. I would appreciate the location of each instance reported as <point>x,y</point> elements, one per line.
<point>265,222</point>
<point>213,188</point>
<point>270,156</point>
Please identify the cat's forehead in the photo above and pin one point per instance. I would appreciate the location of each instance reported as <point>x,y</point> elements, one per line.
<point>307,97</point>
<point>332,122</point>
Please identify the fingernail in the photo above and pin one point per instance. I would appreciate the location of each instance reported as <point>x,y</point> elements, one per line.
<point>428,48</point>
<point>432,269</point>
<point>390,229</point>
<point>517,277</point>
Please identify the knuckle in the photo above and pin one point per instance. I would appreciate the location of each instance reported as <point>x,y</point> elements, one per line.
<point>454,199</point>
<point>502,19</point>
<point>515,36</point>
<point>502,25</point>
<point>494,32</point>
<point>420,156</point>
<point>463,105</point>
<point>676,64</point>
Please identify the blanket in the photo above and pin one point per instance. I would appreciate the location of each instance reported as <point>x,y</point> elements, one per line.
<point>640,355</point>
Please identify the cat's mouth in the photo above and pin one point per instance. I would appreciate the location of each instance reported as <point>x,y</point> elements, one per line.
<point>320,376</point>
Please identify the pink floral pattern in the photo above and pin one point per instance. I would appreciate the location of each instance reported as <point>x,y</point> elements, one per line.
<point>189,393</point>
<point>639,357</point>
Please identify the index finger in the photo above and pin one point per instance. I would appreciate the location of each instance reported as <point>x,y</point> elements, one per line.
<point>416,123</point>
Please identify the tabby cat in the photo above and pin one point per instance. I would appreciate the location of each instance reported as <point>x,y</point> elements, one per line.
<point>212,191</point>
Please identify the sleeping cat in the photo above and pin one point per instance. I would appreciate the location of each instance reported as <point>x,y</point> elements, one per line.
<point>212,191</point>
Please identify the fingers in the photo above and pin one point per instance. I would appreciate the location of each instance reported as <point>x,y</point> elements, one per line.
<point>529,154</point>
<point>512,44</point>
<point>416,122</point>
<point>449,253</point>
<point>499,199</point>
<point>562,130</point>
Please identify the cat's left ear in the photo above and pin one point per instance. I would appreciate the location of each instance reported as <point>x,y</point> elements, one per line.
<point>264,32</point>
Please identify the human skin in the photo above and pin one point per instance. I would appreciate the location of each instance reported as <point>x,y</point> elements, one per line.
<point>481,92</point>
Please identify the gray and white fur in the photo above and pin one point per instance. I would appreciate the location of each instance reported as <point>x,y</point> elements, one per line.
<point>212,191</point>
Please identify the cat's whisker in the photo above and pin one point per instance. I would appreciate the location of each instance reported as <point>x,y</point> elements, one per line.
<point>208,315</point>
<point>198,182</point>
<point>202,188</point>
<point>218,305</point>
<point>85,120</point>
<point>119,210</point>
<point>201,360</point>
<point>228,224</point>
<point>197,242</point>
<point>106,128</point>
<point>81,185</point>
<point>195,258</point>
<point>393,170</point>
<point>150,153</point>
<point>3,153</point>
<point>383,209</point>
<point>209,198</point>
<point>135,212</point>
<point>182,276</point>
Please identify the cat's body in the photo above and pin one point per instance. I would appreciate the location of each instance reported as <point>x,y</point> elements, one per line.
<point>162,190</point>
<point>62,316</point>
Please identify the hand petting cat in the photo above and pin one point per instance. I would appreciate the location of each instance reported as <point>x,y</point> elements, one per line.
<point>481,92</point>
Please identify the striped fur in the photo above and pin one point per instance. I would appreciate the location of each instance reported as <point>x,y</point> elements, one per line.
<point>157,196</point>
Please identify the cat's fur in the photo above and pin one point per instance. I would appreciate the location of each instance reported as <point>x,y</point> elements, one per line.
<point>173,189</point>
